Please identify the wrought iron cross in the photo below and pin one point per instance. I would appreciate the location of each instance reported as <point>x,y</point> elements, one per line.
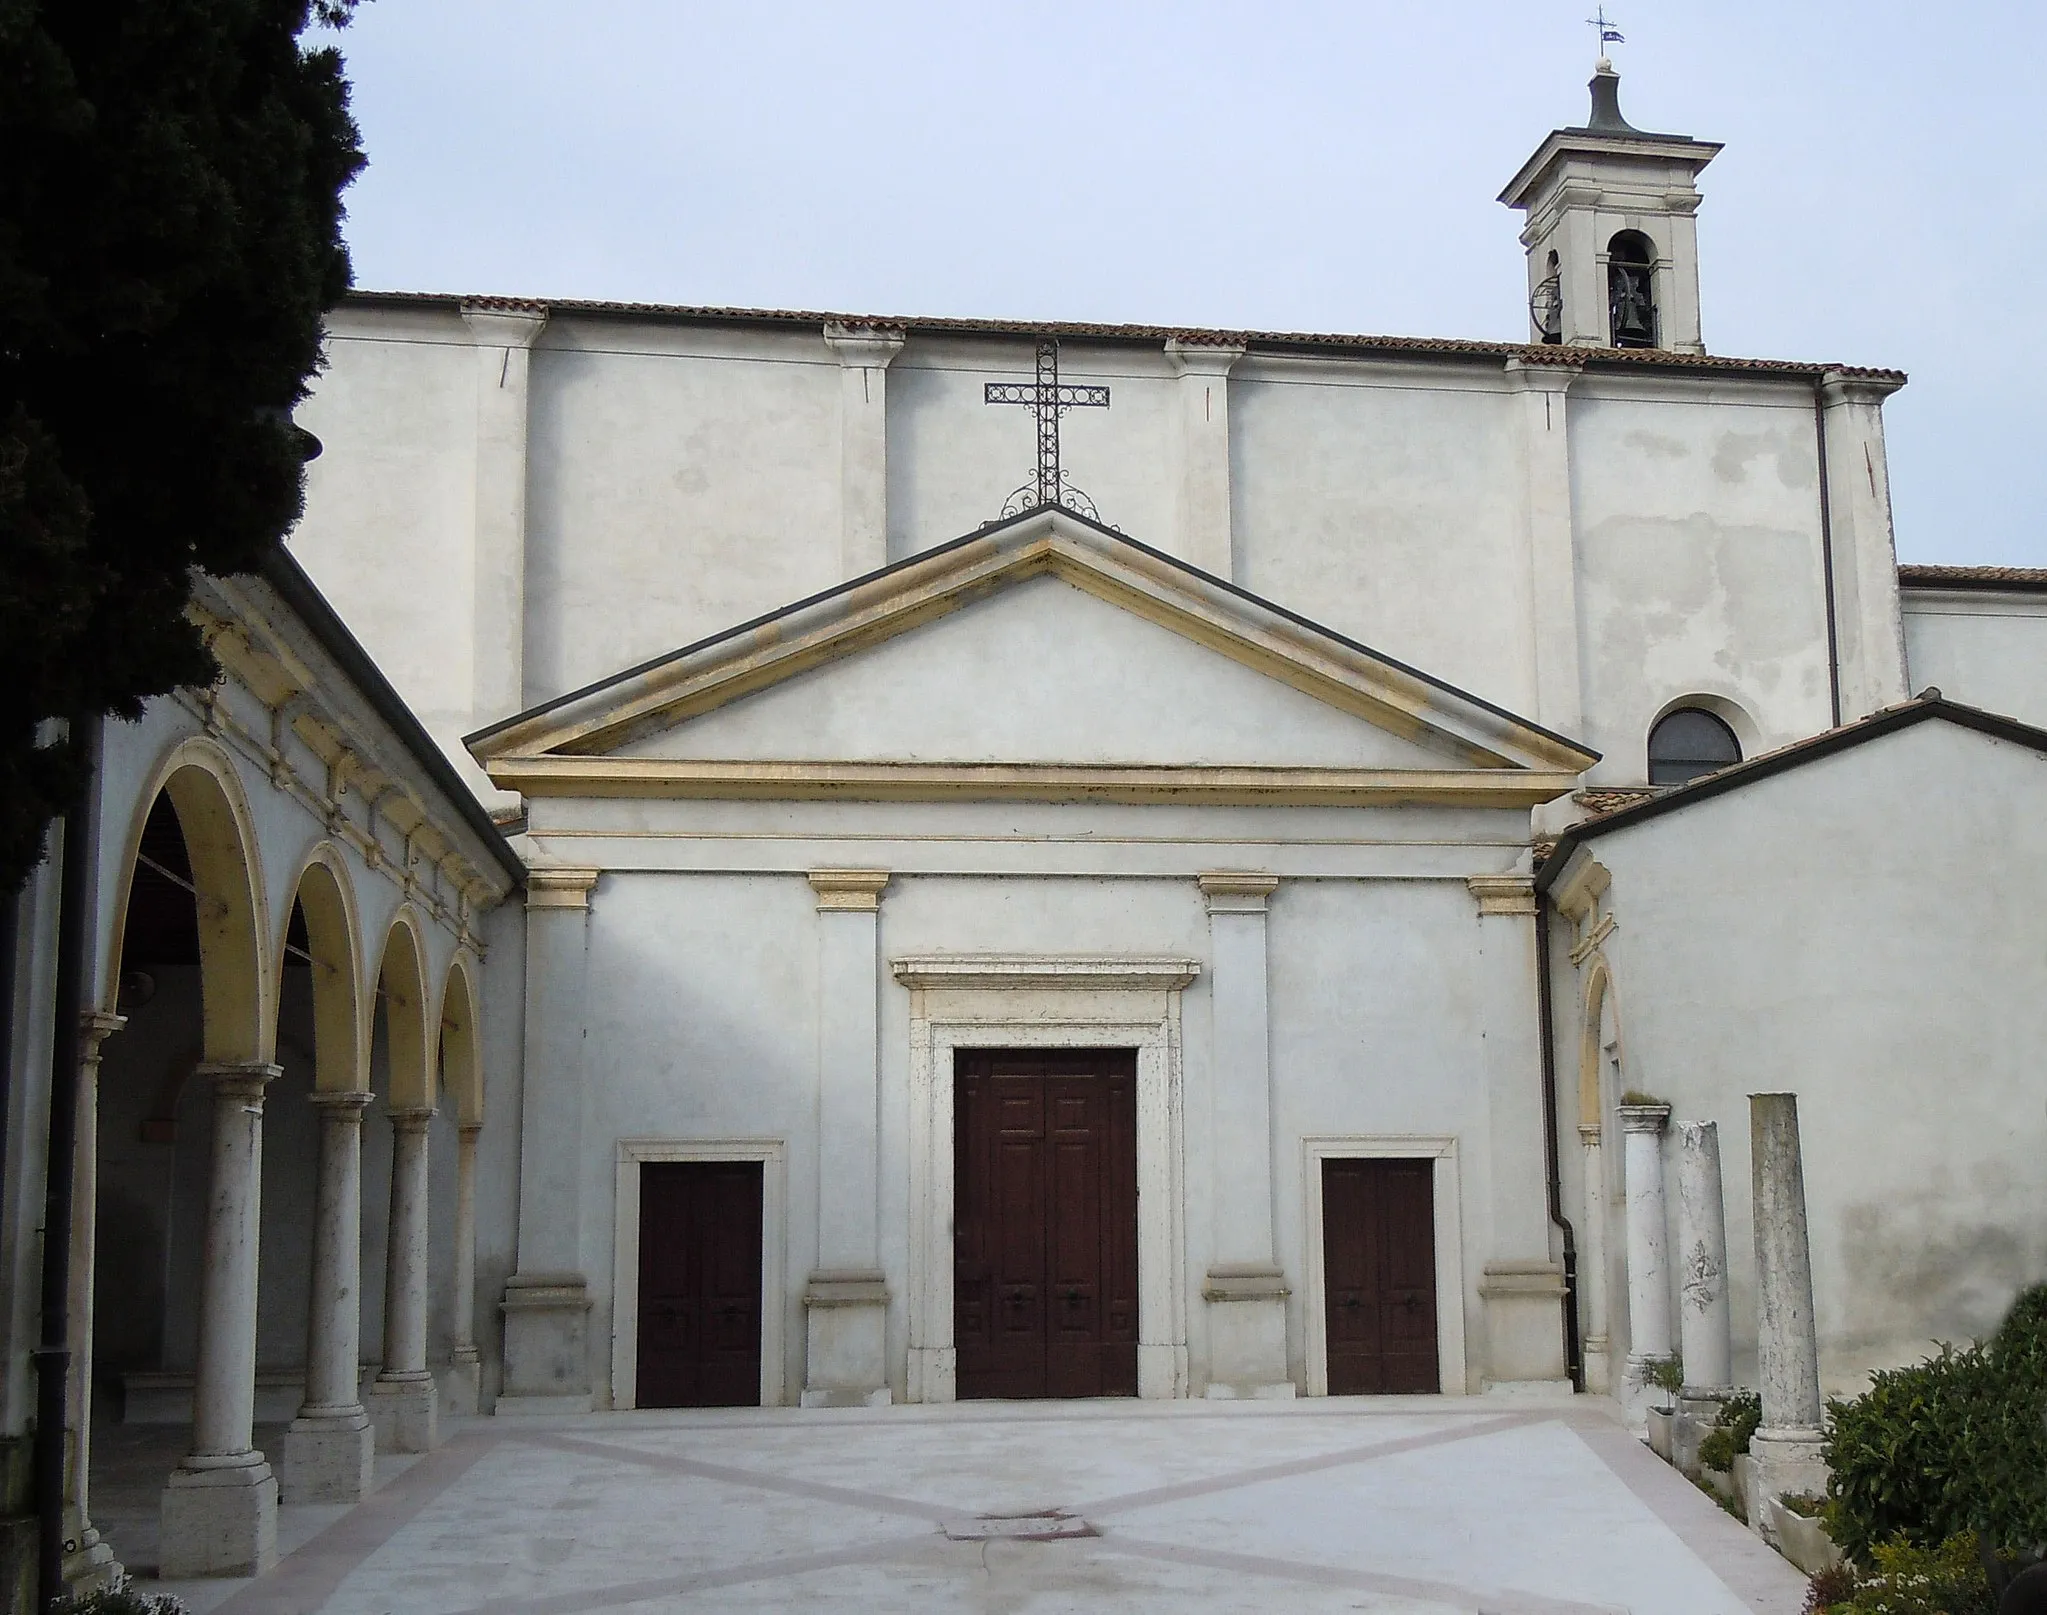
<point>1047,399</point>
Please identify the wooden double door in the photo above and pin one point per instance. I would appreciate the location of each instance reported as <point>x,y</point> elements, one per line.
<point>1045,1225</point>
<point>700,1284</point>
<point>1379,1276</point>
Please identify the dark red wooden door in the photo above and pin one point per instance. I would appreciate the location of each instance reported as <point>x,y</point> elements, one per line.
<point>1379,1269</point>
<point>700,1284</point>
<point>1045,1241</point>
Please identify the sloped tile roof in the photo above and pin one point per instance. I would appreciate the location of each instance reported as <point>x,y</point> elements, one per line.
<point>1972,577</point>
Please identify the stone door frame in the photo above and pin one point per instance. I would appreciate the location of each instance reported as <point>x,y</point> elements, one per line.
<point>633,1153</point>
<point>1008,1001</point>
<point>1449,1229</point>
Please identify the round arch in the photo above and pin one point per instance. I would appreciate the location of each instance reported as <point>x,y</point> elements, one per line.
<point>460,1043</point>
<point>401,980</point>
<point>1601,1008</point>
<point>334,939</point>
<point>235,978</point>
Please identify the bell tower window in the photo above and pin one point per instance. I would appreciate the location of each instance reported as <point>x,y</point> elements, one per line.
<point>1631,290</point>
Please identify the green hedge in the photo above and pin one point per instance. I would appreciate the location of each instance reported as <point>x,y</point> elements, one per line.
<point>1951,1445</point>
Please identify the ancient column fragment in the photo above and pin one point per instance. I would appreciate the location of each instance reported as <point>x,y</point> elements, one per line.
<point>1649,1332</point>
<point>1787,1445</point>
<point>1702,1316</point>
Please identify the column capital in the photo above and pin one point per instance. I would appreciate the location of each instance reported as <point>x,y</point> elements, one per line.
<point>469,1132</point>
<point>345,1106</point>
<point>237,1079</point>
<point>1541,376</point>
<point>1502,894</point>
<point>411,1119</point>
<point>95,1026</point>
<point>1838,387</point>
<point>1650,1119</point>
<point>847,890</point>
<point>1591,1133</point>
<point>557,887</point>
<point>1198,358</point>
<point>1236,891</point>
<point>504,324</point>
<point>863,347</point>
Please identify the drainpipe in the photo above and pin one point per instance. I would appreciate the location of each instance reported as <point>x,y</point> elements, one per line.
<point>53,1356</point>
<point>1819,431</point>
<point>1574,1353</point>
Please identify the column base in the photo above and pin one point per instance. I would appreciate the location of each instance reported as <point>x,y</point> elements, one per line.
<point>462,1383</point>
<point>1524,1324</point>
<point>846,1360</point>
<point>1598,1366</point>
<point>1247,1333</point>
<point>328,1458</point>
<point>547,1344</point>
<point>934,1374</point>
<point>404,1413</point>
<point>1788,1463</point>
<point>91,1567</point>
<point>218,1522</point>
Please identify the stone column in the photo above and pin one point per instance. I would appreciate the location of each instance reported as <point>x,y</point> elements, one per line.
<point>218,1516</point>
<point>547,1300</point>
<point>329,1452</point>
<point>864,353</point>
<point>1204,497</point>
<point>1592,1263</point>
<point>1522,1286</point>
<point>402,1399</point>
<point>504,336</point>
<point>1702,1317</point>
<point>1649,1335</point>
<point>1787,1445</point>
<point>1869,627</point>
<point>465,1370</point>
<point>1246,1288</point>
<point>90,1564</point>
<point>845,1301</point>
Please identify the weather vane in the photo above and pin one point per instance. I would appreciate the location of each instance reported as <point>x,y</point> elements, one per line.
<point>1608,33</point>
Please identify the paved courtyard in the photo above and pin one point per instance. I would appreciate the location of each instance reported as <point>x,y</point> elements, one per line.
<point>1416,1506</point>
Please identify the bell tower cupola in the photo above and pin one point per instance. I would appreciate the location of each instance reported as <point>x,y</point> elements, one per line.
<point>1612,237</point>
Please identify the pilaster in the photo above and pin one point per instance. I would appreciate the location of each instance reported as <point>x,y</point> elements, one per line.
<point>504,338</point>
<point>864,353</point>
<point>1204,494</point>
<point>547,1300</point>
<point>1522,1286</point>
<point>1869,623</point>
<point>846,1298</point>
<point>1246,1288</point>
<point>1592,1265</point>
<point>1542,401</point>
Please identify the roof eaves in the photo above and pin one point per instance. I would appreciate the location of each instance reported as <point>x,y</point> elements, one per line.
<point>2007,579</point>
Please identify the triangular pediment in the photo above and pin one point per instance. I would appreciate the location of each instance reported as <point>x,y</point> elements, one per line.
<point>1047,658</point>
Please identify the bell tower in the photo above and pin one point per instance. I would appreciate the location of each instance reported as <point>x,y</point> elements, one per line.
<point>1613,244</point>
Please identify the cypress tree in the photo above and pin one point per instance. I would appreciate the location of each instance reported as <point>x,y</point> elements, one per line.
<point>170,235</point>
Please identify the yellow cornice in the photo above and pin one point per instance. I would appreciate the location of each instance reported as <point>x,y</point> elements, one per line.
<point>689,779</point>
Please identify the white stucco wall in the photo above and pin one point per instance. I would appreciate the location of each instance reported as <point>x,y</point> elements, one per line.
<point>1986,649</point>
<point>1863,931</point>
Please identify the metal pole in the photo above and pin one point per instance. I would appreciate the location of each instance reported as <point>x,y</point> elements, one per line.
<point>53,1356</point>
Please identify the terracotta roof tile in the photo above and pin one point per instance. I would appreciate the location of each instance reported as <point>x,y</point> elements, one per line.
<point>1972,577</point>
<point>1528,353</point>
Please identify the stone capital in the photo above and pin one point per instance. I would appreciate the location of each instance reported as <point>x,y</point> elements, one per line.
<point>863,347</point>
<point>511,326</point>
<point>469,1132</point>
<point>555,887</point>
<point>238,1079</point>
<point>847,890</point>
<point>94,1028</point>
<point>1643,1118</point>
<point>411,1119</point>
<point>1536,375</point>
<point>344,1107</point>
<point>1237,891</point>
<point>1507,895</point>
<point>1591,1133</point>
<point>1838,387</point>
<point>1193,358</point>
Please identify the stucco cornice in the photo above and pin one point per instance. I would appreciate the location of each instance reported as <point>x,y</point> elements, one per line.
<point>1091,972</point>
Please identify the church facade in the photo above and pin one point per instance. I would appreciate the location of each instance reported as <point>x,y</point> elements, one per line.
<point>1072,860</point>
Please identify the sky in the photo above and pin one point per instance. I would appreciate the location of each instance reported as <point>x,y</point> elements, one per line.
<point>1287,165</point>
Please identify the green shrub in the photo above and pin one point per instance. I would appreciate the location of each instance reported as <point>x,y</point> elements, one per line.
<point>121,1599</point>
<point>1739,1417</point>
<point>1909,1580</point>
<point>1955,1444</point>
<point>1666,1374</point>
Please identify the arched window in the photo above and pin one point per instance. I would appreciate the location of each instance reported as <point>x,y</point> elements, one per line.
<point>1687,743</point>
<point>1631,289</point>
